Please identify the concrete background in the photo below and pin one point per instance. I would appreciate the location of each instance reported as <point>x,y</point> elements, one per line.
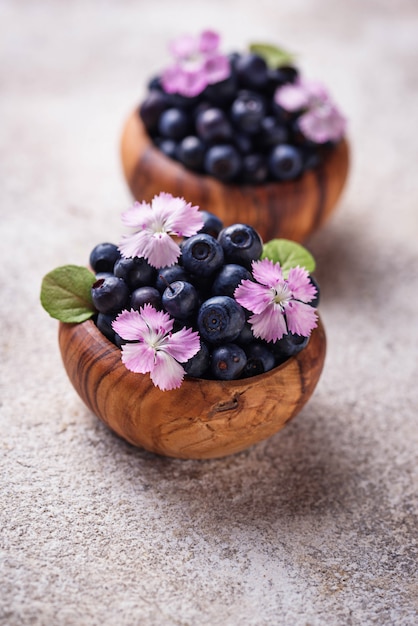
<point>317,525</point>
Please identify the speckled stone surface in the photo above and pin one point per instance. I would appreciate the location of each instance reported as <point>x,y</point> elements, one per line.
<point>317,525</point>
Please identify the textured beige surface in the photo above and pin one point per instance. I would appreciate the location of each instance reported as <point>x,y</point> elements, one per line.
<point>317,525</point>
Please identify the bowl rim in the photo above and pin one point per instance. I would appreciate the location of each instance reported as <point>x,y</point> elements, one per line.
<point>99,338</point>
<point>173,166</point>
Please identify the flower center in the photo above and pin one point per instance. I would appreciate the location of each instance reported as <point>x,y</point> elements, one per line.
<point>281,295</point>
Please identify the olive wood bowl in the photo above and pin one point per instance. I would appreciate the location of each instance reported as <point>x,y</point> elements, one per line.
<point>292,210</point>
<point>203,418</point>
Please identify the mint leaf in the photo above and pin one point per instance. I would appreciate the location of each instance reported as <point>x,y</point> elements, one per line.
<point>66,293</point>
<point>274,57</point>
<point>289,254</point>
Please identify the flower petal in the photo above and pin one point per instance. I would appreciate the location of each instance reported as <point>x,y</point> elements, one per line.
<point>208,41</point>
<point>172,79</point>
<point>267,273</point>
<point>130,325</point>
<point>252,296</point>
<point>183,46</point>
<point>160,250</point>
<point>167,373</point>
<point>300,285</point>
<point>301,318</point>
<point>179,217</point>
<point>187,82</point>
<point>158,320</point>
<point>138,357</point>
<point>292,97</point>
<point>216,68</point>
<point>182,345</point>
<point>135,244</point>
<point>269,325</point>
<point>137,216</point>
<point>323,124</point>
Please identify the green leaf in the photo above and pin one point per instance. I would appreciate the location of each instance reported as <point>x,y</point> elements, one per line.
<point>289,254</point>
<point>66,293</point>
<point>274,57</point>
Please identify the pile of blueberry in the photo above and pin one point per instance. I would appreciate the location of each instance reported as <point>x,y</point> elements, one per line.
<point>234,130</point>
<point>198,293</point>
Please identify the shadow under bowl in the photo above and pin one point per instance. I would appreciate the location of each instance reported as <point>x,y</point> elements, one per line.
<point>291,209</point>
<point>203,418</point>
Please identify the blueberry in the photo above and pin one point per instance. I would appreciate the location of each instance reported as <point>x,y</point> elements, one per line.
<point>288,346</point>
<point>135,271</point>
<point>168,147</point>
<point>241,244</point>
<point>191,152</point>
<point>272,132</point>
<point>220,319</point>
<point>260,359</point>
<point>145,295</point>
<point>315,301</point>
<point>251,71</point>
<point>222,92</point>
<point>169,274</point>
<point>246,335</point>
<point>152,108</point>
<point>154,83</point>
<point>104,324</point>
<point>212,126</point>
<point>202,254</point>
<point>180,299</point>
<point>254,169</point>
<point>174,123</point>
<point>279,77</point>
<point>243,143</point>
<point>248,111</point>
<point>285,162</point>
<point>103,257</point>
<point>100,275</point>
<point>228,361</point>
<point>199,364</point>
<point>311,158</point>
<point>110,294</point>
<point>212,225</point>
<point>228,278</point>
<point>222,162</point>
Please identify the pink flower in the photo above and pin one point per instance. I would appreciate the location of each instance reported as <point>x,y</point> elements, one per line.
<point>157,350</point>
<point>321,121</point>
<point>279,305</point>
<point>197,63</point>
<point>154,225</point>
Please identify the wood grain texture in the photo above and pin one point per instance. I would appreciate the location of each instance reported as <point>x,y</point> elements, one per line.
<point>203,418</point>
<point>292,210</point>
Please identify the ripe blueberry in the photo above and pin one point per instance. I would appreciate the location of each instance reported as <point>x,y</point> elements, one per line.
<point>220,319</point>
<point>103,257</point>
<point>223,162</point>
<point>180,299</point>
<point>285,162</point>
<point>110,294</point>
<point>247,112</point>
<point>190,152</point>
<point>198,365</point>
<point>228,278</point>
<point>145,295</point>
<point>173,123</point>
<point>228,361</point>
<point>212,126</point>
<point>241,244</point>
<point>135,271</point>
<point>202,254</point>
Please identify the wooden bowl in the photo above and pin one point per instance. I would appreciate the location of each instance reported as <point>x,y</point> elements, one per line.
<point>292,210</point>
<point>203,418</point>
